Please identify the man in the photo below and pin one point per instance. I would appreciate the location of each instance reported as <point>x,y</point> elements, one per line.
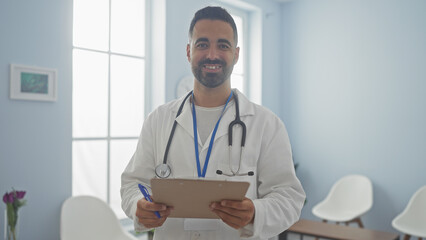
<point>275,196</point>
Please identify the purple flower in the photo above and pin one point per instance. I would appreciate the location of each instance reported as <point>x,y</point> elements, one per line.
<point>8,198</point>
<point>14,200</point>
<point>20,194</point>
<point>5,197</point>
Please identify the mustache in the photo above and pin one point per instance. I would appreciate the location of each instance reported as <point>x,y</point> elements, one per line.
<point>214,61</point>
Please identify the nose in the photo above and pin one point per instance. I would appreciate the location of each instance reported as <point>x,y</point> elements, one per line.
<point>212,53</point>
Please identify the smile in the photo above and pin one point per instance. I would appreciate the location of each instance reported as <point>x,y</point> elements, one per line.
<point>212,67</point>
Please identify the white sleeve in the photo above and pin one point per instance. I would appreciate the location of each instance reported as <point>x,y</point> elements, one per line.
<point>280,193</point>
<point>140,169</point>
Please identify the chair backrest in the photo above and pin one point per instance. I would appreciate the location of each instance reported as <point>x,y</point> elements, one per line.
<point>414,213</point>
<point>87,217</point>
<point>352,192</point>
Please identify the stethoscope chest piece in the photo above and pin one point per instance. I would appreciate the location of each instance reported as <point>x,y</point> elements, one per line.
<point>163,171</point>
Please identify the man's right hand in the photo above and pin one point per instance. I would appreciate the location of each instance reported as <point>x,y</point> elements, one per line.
<point>146,213</point>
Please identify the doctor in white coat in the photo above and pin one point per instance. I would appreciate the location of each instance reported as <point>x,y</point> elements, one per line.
<point>275,196</point>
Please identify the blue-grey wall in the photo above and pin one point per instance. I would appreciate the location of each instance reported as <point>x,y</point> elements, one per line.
<point>351,91</point>
<point>354,80</point>
<point>35,137</point>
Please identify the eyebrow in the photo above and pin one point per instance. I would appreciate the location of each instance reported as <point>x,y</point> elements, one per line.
<point>219,41</point>
<point>201,40</point>
<point>224,41</point>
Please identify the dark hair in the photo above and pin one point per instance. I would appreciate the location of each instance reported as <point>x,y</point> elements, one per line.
<point>214,13</point>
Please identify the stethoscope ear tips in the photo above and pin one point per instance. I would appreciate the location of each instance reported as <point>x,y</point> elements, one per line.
<point>219,172</point>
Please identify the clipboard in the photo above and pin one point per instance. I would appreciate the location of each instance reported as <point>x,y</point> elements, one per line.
<point>191,198</point>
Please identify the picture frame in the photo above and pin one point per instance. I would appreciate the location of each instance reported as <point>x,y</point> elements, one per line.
<point>33,83</point>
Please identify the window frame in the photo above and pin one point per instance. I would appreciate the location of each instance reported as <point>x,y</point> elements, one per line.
<point>246,75</point>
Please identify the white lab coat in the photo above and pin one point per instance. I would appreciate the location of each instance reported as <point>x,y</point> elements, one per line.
<point>275,190</point>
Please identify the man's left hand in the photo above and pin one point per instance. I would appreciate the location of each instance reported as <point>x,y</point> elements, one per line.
<point>236,214</point>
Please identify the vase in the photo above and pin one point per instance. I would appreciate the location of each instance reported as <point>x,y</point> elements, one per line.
<point>151,235</point>
<point>9,232</point>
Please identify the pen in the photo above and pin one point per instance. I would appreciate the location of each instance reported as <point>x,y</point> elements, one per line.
<point>147,197</point>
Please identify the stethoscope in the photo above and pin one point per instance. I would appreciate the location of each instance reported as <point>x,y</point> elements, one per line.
<point>163,170</point>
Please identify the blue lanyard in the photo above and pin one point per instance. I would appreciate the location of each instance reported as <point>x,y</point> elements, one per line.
<point>194,121</point>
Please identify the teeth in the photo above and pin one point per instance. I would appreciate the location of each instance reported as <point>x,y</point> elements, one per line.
<point>212,67</point>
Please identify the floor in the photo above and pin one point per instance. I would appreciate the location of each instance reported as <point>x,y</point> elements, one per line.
<point>128,225</point>
<point>291,236</point>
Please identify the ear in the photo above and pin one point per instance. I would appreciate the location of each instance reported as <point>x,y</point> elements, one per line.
<point>188,52</point>
<point>236,55</point>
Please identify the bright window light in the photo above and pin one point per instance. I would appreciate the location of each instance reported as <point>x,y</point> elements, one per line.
<point>108,94</point>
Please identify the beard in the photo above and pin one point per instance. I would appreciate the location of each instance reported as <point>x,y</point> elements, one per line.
<point>212,80</point>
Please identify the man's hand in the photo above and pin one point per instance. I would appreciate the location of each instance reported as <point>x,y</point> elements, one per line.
<point>236,214</point>
<point>146,213</point>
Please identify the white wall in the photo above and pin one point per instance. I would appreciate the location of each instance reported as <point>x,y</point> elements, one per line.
<point>354,79</point>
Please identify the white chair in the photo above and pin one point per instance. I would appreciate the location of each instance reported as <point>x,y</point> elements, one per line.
<point>88,218</point>
<point>412,221</point>
<point>349,198</point>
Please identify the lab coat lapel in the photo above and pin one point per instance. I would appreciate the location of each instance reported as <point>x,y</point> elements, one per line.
<point>227,117</point>
<point>246,108</point>
<point>185,120</point>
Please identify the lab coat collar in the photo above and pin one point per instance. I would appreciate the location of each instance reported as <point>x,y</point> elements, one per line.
<point>185,118</point>
<point>246,109</point>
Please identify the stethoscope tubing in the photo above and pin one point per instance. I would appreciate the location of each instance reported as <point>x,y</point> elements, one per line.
<point>169,142</point>
<point>237,121</point>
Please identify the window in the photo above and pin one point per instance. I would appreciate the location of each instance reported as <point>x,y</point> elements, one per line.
<point>108,94</point>
<point>247,75</point>
<point>238,76</point>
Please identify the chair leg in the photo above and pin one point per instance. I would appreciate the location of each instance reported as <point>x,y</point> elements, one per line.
<point>283,235</point>
<point>358,220</point>
<point>407,237</point>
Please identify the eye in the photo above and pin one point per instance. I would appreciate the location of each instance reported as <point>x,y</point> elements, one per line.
<point>201,45</point>
<point>224,46</point>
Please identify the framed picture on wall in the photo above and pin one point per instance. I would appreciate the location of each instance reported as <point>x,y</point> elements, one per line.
<point>33,83</point>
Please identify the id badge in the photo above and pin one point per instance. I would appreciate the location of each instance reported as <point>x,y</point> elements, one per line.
<point>200,224</point>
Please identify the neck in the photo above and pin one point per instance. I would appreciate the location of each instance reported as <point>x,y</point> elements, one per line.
<point>211,97</point>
